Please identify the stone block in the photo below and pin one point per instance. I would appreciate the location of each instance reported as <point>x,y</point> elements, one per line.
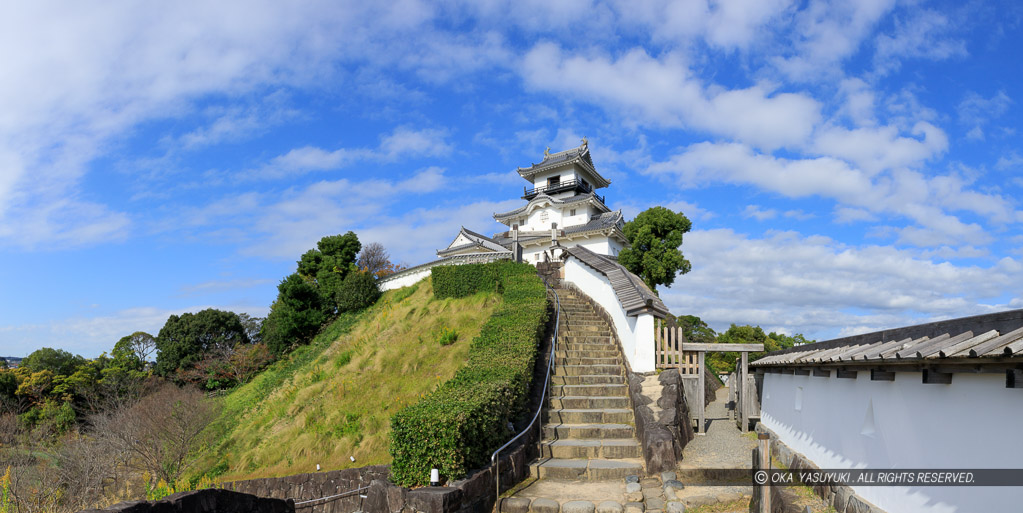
<point>675,507</point>
<point>658,449</point>
<point>650,482</point>
<point>634,496</point>
<point>633,507</point>
<point>729,496</point>
<point>696,501</point>
<point>610,507</point>
<point>577,507</point>
<point>632,479</point>
<point>668,476</point>
<point>376,497</point>
<point>633,487</point>
<point>856,505</point>
<point>514,505</point>
<point>542,505</point>
<point>440,499</point>
<point>673,483</point>
<point>654,503</point>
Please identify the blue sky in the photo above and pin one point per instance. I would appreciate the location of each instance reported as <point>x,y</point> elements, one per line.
<point>848,166</point>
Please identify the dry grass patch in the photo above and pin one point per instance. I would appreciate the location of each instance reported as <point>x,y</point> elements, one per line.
<point>336,403</point>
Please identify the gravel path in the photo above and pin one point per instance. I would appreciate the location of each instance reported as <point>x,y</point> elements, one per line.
<point>724,446</point>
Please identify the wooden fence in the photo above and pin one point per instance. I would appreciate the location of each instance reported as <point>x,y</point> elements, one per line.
<point>668,353</point>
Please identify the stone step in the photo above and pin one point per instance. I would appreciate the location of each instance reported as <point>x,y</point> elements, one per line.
<point>581,401</point>
<point>585,360</point>
<point>583,324</point>
<point>584,370</point>
<point>601,390</point>
<point>585,469</point>
<point>583,329</point>
<point>586,343</point>
<point>582,448</point>
<point>590,416</point>
<point>589,379</point>
<point>593,353</point>
<point>601,431</point>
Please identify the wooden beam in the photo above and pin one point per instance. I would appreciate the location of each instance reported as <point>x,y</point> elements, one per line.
<point>821,373</point>
<point>880,375</point>
<point>745,391</point>
<point>1013,378</point>
<point>845,374</point>
<point>701,394</point>
<point>693,346</point>
<point>801,372</point>
<point>933,377</point>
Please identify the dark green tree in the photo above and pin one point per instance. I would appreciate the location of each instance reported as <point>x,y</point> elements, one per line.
<point>695,329</point>
<point>295,316</point>
<point>655,236</point>
<point>57,361</point>
<point>327,266</point>
<point>187,338</point>
<point>358,291</point>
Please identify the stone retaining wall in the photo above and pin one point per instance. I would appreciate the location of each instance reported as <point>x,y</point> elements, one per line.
<point>211,500</point>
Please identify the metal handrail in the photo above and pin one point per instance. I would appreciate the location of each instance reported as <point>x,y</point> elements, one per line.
<point>543,396</point>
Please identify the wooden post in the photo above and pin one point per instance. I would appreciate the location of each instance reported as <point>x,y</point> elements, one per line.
<point>701,394</point>
<point>745,393</point>
<point>764,441</point>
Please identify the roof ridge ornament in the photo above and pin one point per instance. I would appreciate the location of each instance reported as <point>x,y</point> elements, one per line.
<point>586,142</point>
<point>547,152</point>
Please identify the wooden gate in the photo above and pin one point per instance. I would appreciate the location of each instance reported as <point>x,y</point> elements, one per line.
<point>672,350</point>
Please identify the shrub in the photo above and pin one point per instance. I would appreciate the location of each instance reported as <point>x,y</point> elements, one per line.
<point>468,279</point>
<point>456,427</point>
<point>357,291</point>
<point>447,336</point>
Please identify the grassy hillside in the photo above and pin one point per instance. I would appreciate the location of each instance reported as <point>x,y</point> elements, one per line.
<point>334,398</point>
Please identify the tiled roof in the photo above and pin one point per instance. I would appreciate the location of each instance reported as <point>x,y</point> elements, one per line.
<point>634,296</point>
<point>981,339</point>
<point>477,241</point>
<point>599,222</point>
<point>554,201</point>
<point>580,155</point>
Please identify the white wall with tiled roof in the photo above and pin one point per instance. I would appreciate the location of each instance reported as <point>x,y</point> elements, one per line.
<point>844,423</point>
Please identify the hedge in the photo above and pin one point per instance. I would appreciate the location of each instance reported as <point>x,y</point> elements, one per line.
<point>458,426</point>
<point>468,279</point>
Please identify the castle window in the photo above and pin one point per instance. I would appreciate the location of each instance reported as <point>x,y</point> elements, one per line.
<point>571,212</point>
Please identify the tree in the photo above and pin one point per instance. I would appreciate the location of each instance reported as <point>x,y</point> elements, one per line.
<point>252,325</point>
<point>57,361</point>
<point>656,236</point>
<point>374,259</point>
<point>695,330</point>
<point>188,338</point>
<point>358,291</point>
<point>162,432</point>
<point>328,264</point>
<point>295,316</point>
<point>139,345</point>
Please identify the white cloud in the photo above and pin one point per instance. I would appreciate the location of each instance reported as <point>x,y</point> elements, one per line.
<point>755,212</point>
<point>881,148</point>
<point>925,35</point>
<point>402,142</point>
<point>823,288</point>
<point>922,199</point>
<point>828,32</point>
<point>664,92</point>
<point>975,111</point>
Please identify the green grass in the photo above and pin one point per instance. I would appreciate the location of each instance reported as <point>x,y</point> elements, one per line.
<point>333,399</point>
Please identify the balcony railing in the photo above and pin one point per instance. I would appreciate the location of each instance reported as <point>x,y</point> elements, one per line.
<point>567,185</point>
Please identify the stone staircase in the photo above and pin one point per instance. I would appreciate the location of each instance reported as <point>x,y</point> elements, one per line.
<point>590,431</point>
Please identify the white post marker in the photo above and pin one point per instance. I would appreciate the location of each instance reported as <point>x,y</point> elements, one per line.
<point>434,477</point>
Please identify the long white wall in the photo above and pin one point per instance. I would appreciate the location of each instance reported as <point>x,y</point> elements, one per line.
<point>405,280</point>
<point>904,424</point>
<point>635,332</point>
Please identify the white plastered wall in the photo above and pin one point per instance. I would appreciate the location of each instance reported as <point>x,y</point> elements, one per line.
<point>903,424</point>
<point>405,280</point>
<point>635,332</point>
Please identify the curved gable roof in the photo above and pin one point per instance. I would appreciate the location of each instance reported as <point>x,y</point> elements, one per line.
<point>634,296</point>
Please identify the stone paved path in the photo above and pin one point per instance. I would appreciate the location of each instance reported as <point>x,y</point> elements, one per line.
<point>724,446</point>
